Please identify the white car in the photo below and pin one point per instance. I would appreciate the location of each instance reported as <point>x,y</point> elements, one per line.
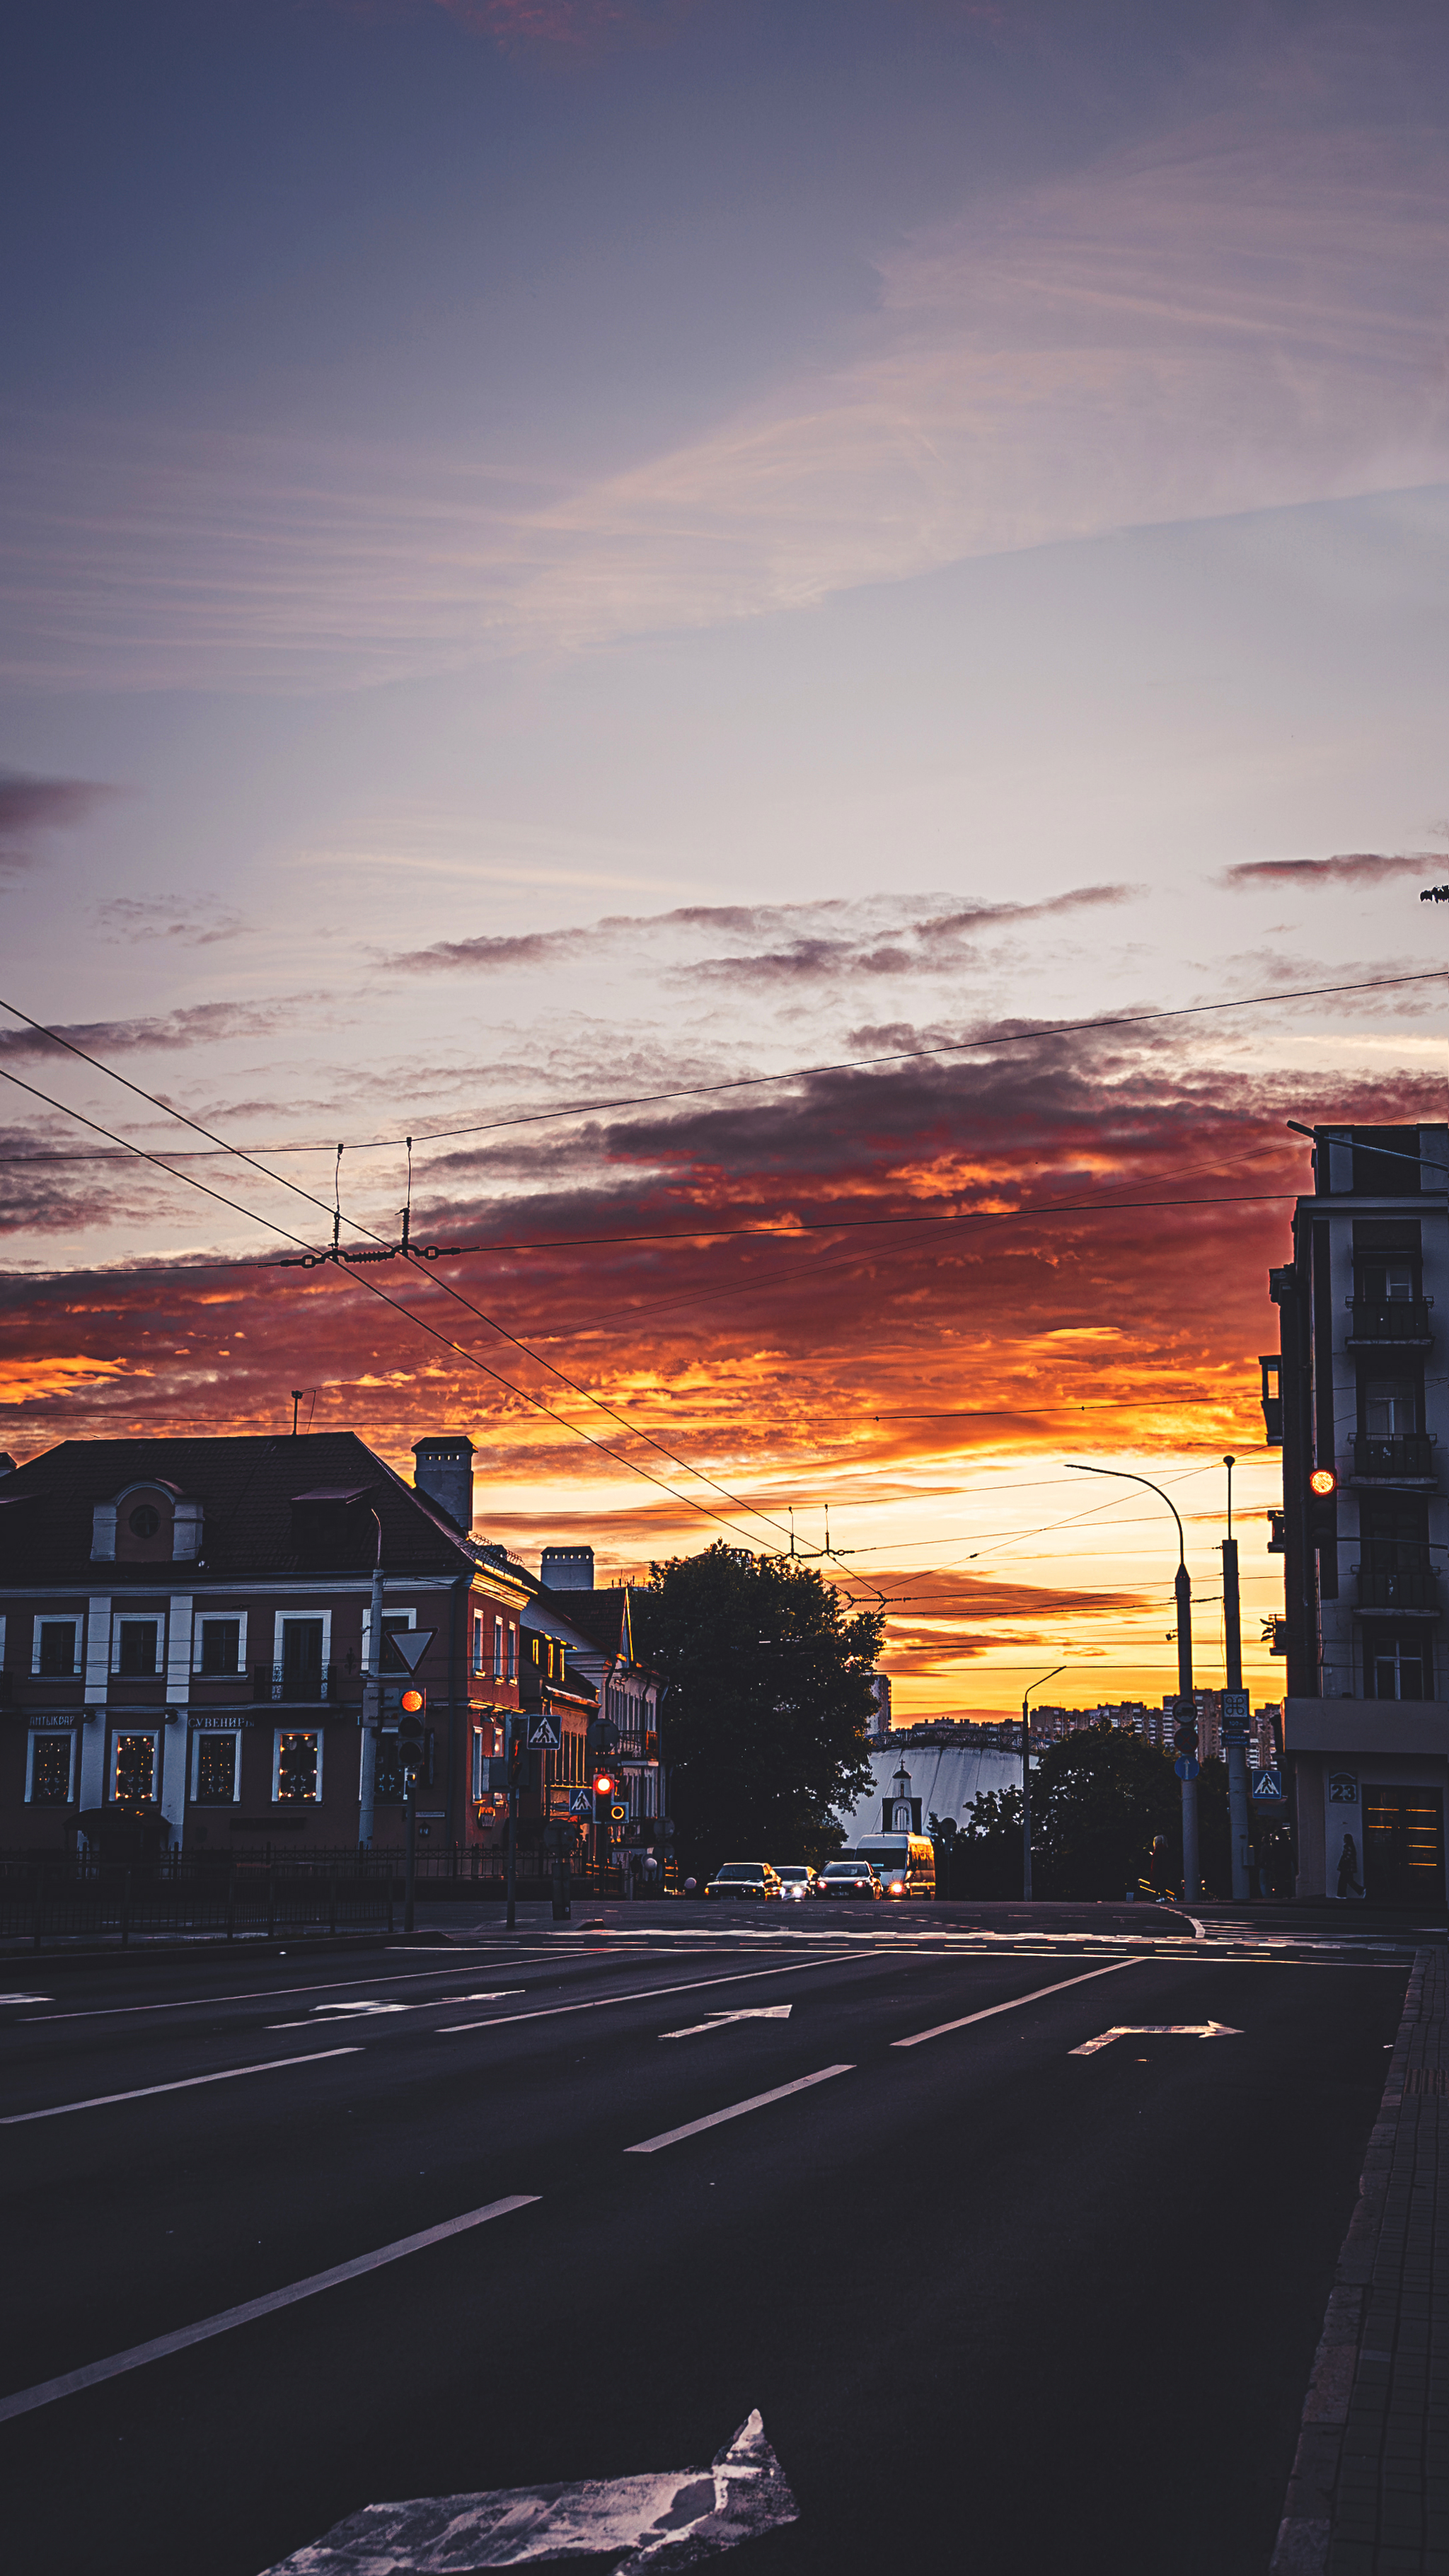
<point>796,1880</point>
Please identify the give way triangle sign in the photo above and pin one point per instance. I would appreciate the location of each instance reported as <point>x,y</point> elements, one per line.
<point>412,1644</point>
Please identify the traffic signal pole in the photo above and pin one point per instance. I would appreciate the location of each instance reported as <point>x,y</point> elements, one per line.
<point>1239,1816</point>
<point>410,1863</point>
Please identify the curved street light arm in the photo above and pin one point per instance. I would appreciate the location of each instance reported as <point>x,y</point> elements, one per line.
<point>1128,1478</point>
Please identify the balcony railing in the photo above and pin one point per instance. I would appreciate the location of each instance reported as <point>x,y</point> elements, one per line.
<point>303,1689</point>
<point>1408,1586</point>
<point>1399,1457</point>
<point>1401,1320</point>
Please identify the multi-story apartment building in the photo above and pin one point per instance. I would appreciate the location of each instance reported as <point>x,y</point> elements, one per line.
<point>185,1627</point>
<point>1358,1398</point>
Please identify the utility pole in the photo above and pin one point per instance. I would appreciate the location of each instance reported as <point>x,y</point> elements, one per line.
<point>410,1863</point>
<point>1026,1778</point>
<point>371,1704</point>
<point>1235,1726</point>
<point>514,1727</point>
<point>1186,1705</point>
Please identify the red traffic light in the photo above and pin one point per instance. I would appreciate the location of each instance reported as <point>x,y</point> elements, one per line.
<point>603,1784</point>
<point>1323,1482</point>
<point>413,1702</point>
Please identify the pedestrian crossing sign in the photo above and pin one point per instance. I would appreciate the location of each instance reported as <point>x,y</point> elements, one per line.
<point>545,1734</point>
<point>1268,1785</point>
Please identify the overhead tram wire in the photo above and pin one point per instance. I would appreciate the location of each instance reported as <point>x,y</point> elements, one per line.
<point>280,1179</point>
<point>356,1279</point>
<point>807,1072</point>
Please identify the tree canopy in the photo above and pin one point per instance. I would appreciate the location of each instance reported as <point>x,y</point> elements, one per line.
<point>768,1702</point>
<point>1097,1799</point>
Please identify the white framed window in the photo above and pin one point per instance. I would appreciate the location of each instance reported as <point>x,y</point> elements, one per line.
<point>215,1767</point>
<point>219,1642</point>
<point>50,1765</point>
<point>135,1763</point>
<point>136,1648</point>
<point>513,1650</point>
<point>54,1655</point>
<point>498,1650</point>
<point>477,1641</point>
<point>477,1762</point>
<point>297,1766</point>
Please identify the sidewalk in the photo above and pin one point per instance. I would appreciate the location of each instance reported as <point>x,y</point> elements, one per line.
<point>1369,2493</point>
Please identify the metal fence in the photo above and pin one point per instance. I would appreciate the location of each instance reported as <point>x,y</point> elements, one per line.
<point>50,1898</point>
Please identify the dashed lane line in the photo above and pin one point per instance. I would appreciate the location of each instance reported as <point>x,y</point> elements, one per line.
<point>184,2084</point>
<point>640,1995</point>
<point>735,2111</point>
<point>71,2382</point>
<point>942,2027</point>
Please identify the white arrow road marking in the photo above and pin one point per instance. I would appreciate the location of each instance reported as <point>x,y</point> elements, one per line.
<point>27,1999</point>
<point>338,2012</point>
<point>721,2021</point>
<point>1156,2030</point>
<point>670,2519</point>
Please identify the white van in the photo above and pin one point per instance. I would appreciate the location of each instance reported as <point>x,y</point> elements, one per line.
<point>905,1864</point>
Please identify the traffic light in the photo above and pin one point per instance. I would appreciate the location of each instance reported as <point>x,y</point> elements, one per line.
<point>603,1786</point>
<point>1184,1728</point>
<point>412,1733</point>
<point>1322,1507</point>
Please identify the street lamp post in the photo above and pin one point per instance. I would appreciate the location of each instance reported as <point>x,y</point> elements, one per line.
<point>1026,1779</point>
<point>1236,1743</point>
<point>1182,1586</point>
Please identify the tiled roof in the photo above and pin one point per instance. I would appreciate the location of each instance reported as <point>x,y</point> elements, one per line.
<point>246,1487</point>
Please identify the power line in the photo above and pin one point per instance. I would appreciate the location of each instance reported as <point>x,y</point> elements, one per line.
<point>811,1072</point>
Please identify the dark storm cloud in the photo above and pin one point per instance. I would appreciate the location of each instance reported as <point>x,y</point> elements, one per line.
<point>1354,867</point>
<point>30,806</point>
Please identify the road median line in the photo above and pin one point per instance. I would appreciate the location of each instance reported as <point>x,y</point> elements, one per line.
<point>183,2084</point>
<point>1113,1968</point>
<point>735,2111</point>
<point>72,2382</point>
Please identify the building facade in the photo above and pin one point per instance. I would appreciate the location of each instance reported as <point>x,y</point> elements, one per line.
<point>1358,1398</point>
<point>186,1632</point>
<point>593,1628</point>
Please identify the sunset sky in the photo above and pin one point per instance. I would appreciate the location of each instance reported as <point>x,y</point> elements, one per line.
<point>644,592</point>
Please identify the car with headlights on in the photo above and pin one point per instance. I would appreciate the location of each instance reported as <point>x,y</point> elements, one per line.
<point>744,1878</point>
<point>848,1878</point>
<point>796,1880</point>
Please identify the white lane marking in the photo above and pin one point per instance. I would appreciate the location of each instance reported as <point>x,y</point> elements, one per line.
<point>27,1999</point>
<point>735,2111</point>
<point>671,2518</point>
<point>1015,2003</point>
<point>186,2084</point>
<point>46,2391</point>
<point>642,1995</point>
<point>721,2021</point>
<point>255,1995</point>
<point>1156,2030</point>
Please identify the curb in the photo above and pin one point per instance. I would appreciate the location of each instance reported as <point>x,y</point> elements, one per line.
<point>1305,2533</point>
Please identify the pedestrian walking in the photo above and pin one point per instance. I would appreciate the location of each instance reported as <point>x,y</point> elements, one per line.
<point>1157,1869</point>
<point>1348,1877</point>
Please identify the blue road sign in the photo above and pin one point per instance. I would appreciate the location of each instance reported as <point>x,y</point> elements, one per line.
<point>582,1803</point>
<point>1268,1785</point>
<point>1187,1766</point>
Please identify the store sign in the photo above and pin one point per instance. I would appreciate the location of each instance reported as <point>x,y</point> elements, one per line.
<point>227,1723</point>
<point>55,1722</point>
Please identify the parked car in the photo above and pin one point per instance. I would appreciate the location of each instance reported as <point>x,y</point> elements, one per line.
<point>848,1878</point>
<point>744,1878</point>
<point>796,1879</point>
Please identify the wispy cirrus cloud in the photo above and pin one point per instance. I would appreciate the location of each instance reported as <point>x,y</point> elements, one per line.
<point>1242,314</point>
<point>822,941</point>
<point>138,918</point>
<point>1354,867</point>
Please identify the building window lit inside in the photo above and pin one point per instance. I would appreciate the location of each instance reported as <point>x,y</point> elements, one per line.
<point>215,1780</point>
<point>299,1766</point>
<point>51,1761</point>
<point>133,1767</point>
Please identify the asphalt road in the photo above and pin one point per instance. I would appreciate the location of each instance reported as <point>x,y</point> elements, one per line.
<point>1044,2311</point>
